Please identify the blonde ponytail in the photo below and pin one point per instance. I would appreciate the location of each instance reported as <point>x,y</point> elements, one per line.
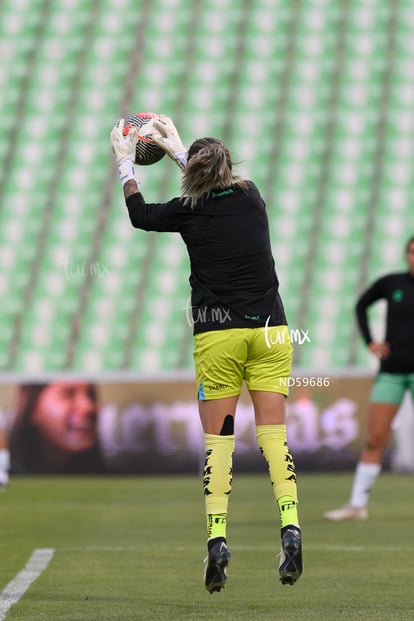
<point>209,168</point>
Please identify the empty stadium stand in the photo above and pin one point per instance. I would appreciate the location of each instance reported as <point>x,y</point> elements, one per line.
<point>316,102</point>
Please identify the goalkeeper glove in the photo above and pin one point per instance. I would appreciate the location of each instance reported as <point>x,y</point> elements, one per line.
<point>123,147</point>
<point>166,136</point>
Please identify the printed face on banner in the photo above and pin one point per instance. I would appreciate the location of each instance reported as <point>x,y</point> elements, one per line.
<point>66,415</point>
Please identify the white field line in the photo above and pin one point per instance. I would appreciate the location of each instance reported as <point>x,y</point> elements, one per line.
<point>17,587</point>
<point>41,557</point>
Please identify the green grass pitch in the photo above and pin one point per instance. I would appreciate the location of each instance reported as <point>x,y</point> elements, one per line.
<point>133,547</point>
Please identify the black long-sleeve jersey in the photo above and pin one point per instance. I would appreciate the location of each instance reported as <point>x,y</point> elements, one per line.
<point>233,279</point>
<point>398,291</point>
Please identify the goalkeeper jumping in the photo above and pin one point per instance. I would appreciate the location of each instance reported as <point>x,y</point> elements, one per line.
<point>239,324</point>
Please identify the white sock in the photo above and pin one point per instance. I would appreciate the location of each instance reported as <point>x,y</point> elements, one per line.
<point>4,460</point>
<point>364,481</point>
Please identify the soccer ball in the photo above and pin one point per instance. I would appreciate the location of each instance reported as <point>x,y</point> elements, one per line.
<point>147,152</point>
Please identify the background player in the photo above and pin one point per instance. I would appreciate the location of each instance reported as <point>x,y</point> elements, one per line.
<point>396,375</point>
<point>4,454</point>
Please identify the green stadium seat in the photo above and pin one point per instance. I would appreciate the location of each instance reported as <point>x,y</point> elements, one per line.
<point>316,108</point>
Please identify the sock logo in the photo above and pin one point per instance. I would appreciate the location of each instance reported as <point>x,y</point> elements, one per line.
<point>207,476</point>
<point>230,481</point>
<point>287,505</point>
<point>216,525</point>
<point>207,473</point>
<point>290,466</point>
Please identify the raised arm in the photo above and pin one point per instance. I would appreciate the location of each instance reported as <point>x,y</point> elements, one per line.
<point>123,148</point>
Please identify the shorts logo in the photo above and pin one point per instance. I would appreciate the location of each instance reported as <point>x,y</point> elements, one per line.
<point>217,386</point>
<point>397,295</point>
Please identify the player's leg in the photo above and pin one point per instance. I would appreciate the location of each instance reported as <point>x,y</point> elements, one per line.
<point>217,418</point>
<point>219,375</point>
<point>4,459</point>
<point>269,408</point>
<point>386,397</point>
<point>272,440</point>
<point>267,372</point>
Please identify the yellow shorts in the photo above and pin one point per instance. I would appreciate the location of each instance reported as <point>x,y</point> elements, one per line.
<point>262,357</point>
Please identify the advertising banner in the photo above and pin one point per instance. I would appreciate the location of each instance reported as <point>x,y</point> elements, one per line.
<point>149,427</point>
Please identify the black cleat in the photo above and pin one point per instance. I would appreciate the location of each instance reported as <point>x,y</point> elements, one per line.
<point>215,576</point>
<point>290,566</point>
